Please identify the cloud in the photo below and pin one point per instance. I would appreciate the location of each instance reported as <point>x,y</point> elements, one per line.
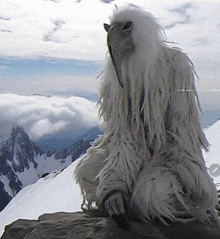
<point>74,29</point>
<point>40,115</point>
<point>66,29</point>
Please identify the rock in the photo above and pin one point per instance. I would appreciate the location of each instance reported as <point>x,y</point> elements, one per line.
<point>92,225</point>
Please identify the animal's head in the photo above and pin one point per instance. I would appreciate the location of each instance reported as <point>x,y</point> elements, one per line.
<point>131,31</point>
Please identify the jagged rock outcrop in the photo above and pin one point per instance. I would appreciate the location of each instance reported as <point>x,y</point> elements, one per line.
<point>17,156</point>
<point>80,225</point>
<point>22,162</point>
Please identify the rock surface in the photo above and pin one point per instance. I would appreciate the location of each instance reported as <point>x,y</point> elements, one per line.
<point>80,225</point>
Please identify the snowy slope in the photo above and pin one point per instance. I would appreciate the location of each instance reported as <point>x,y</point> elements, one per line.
<point>23,163</point>
<point>49,164</point>
<point>55,193</point>
<point>212,158</point>
<point>58,191</point>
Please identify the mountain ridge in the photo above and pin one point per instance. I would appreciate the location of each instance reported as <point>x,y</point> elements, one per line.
<point>22,162</point>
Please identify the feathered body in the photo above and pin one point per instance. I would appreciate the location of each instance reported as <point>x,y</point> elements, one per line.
<point>152,141</point>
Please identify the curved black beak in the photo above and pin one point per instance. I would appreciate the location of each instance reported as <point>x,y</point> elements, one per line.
<point>120,45</point>
<point>114,52</point>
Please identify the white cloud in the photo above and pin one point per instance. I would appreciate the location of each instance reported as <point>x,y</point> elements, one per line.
<point>65,29</point>
<point>72,29</point>
<point>41,115</point>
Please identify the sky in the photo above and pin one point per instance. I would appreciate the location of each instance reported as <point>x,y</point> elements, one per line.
<point>58,48</point>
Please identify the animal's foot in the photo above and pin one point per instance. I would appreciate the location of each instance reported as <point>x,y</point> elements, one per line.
<point>115,206</point>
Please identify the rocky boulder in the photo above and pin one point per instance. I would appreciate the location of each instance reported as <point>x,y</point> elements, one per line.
<point>81,225</point>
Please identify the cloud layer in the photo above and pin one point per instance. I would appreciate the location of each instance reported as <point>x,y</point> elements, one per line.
<point>42,116</point>
<point>72,29</point>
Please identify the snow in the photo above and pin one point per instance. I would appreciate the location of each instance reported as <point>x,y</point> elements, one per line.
<point>212,157</point>
<point>49,164</point>
<point>28,176</point>
<point>57,192</point>
<point>4,180</point>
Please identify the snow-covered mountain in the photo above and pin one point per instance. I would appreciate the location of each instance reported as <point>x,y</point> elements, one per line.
<point>59,192</point>
<point>55,192</point>
<point>17,164</point>
<point>22,162</point>
<point>66,139</point>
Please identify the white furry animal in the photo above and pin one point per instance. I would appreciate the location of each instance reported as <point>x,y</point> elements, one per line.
<point>149,160</point>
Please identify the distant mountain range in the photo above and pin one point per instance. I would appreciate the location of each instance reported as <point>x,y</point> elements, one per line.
<point>66,139</point>
<point>23,162</point>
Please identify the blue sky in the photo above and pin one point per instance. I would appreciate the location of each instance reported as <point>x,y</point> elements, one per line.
<point>18,67</point>
<point>35,74</point>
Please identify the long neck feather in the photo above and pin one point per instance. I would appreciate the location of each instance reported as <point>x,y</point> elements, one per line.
<point>155,91</point>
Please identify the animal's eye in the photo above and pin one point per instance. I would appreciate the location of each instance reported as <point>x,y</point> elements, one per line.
<point>126,26</point>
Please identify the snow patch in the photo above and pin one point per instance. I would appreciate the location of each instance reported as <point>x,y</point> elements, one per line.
<point>57,192</point>
<point>28,176</point>
<point>4,180</point>
<point>212,157</point>
<point>48,164</point>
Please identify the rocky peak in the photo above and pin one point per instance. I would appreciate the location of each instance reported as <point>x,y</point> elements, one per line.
<point>17,155</point>
<point>22,162</point>
<point>19,150</point>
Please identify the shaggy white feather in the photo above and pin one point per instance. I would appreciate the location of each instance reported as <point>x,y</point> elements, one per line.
<point>151,147</point>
